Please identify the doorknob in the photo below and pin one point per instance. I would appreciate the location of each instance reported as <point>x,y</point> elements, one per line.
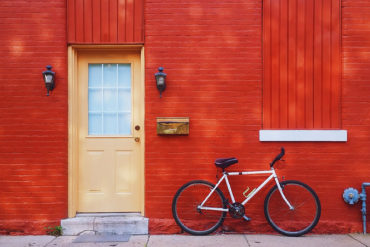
<point>137,139</point>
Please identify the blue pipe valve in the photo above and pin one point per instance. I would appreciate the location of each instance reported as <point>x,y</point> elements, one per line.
<point>351,196</point>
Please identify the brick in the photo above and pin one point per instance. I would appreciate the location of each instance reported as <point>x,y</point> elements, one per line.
<point>211,52</point>
<point>33,180</point>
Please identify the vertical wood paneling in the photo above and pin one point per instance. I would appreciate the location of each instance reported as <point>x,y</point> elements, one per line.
<point>300,90</point>
<point>309,64</point>
<point>267,64</point>
<point>96,21</point>
<point>317,84</point>
<point>79,18</point>
<point>336,63</point>
<point>105,21</point>
<point>275,61</point>
<point>326,63</point>
<point>88,20</point>
<point>301,64</point>
<point>283,113</point>
<point>71,21</point>
<point>122,21</point>
<point>113,21</point>
<point>292,58</point>
<point>138,20</point>
<point>130,20</point>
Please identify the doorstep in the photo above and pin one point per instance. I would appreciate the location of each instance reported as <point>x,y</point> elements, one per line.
<point>115,223</point>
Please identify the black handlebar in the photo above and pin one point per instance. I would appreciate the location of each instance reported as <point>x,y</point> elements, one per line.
<point>278,157</point>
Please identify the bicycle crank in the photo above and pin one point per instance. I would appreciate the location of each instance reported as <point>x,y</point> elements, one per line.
<point>236,210</point>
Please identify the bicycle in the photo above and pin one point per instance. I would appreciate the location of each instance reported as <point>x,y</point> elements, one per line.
<point>291,207</point>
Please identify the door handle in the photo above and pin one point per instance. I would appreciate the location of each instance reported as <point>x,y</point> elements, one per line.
<point>137,139</point>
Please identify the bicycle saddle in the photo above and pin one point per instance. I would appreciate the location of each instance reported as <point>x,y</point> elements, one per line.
<point>225,162</point>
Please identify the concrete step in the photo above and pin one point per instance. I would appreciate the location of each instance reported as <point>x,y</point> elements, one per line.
<point>115,223</point>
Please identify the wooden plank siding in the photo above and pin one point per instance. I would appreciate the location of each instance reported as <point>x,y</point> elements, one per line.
<point>301,58</point>
<point>105,21</point>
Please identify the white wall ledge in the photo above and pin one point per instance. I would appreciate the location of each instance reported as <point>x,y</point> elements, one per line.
<point>303,135</point>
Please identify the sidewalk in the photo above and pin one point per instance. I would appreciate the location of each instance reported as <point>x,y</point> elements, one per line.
<point>230,240</point>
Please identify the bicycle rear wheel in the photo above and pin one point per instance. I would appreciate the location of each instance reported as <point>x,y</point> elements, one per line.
<point>185,208</point>
<point>305,215</point>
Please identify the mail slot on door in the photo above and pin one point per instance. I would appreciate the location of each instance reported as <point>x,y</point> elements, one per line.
<point>172,125</point>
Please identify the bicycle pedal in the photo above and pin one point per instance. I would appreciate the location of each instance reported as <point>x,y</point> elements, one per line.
<point>246,218</point>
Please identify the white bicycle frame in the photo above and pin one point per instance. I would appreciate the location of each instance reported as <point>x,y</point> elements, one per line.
<point>251,195</point>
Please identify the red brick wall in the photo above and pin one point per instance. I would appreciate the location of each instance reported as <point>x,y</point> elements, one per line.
<point>211,52</point>
<point>33,127</point>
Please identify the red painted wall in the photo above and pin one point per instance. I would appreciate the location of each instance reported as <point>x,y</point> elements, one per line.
<point>33,127</point>
<point>212,54</point>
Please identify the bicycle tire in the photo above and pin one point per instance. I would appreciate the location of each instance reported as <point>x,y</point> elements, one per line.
<point>305,215</point>
<point>186,214</point>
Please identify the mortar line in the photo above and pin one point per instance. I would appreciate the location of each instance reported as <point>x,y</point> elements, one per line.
<point>357,240</point>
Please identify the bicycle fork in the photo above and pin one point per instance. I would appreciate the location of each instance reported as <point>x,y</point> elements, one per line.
<point>281,190</point>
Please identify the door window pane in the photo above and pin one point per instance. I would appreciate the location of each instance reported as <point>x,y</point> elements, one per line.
<point>110,75</point>
<point>124,105</point>
<point>95,103</point>
<point>110,124</point>
<point>109,102</point>
<point>124,76</point>
<point>95,76</point>
<point>95,129</point>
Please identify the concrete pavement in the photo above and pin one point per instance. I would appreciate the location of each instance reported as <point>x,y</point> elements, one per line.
<point>229,240</point>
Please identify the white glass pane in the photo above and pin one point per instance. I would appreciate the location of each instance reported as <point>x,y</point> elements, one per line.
<point>124,75</point>
<point>110,124</point>
<point>124,123</point>
<point>110,75</point>
<point>110,100</point>
<point>95,124</point>
<point>124,103</point>
<point>95,100</point>
<point>95,75</point>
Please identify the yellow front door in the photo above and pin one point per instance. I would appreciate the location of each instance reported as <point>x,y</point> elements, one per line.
<point>110,135</point>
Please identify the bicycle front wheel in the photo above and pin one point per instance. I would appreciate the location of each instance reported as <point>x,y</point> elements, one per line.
<point>187,214</point>
<point>292,222</point>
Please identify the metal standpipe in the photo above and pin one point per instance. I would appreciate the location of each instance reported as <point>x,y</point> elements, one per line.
<point>363,210</point>
<point>351,196</point>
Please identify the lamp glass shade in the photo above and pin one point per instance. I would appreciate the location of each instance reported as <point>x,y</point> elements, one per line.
<point>48,78</point>
<point>160,81</point>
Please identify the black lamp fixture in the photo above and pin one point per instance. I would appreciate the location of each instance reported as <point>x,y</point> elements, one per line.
<point>49,77</point>
<point>160,78</point>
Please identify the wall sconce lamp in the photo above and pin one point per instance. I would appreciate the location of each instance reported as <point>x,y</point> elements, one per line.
<point>49,77</point>
<point>160,78</point>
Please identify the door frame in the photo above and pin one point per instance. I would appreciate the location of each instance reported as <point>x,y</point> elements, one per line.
<point>73,118</point>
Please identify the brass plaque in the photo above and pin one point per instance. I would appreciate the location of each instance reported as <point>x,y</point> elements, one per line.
<point>172,125</point>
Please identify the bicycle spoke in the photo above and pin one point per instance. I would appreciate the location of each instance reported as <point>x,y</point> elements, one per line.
<point>189,216</point>
<point>294,222</point>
